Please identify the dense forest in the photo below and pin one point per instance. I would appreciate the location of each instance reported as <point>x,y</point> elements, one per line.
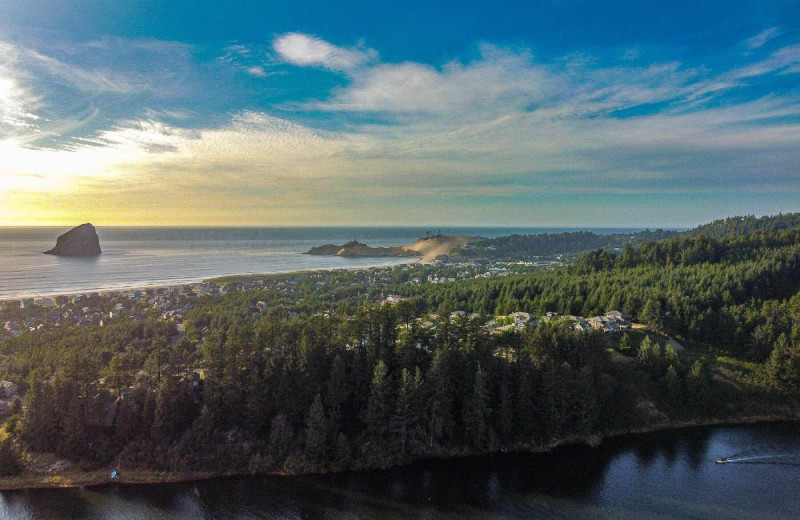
<point>334,381</point>
<point>548,245</point>
<point>738,226</point>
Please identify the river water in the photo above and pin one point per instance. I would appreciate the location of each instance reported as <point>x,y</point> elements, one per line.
<point>663,475</point>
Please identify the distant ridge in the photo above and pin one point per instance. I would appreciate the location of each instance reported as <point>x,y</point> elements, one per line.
<point>743,225</point>
<point>530,247</point>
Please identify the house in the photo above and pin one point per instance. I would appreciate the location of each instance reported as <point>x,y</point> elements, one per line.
<point>503,329</point>
<point>12,328</point>
<point>582,326</point>
<point>597,322</point>
<point>521,316</point>
<point>622,319</point>
<point>8,390</point>
<point>610,322</point>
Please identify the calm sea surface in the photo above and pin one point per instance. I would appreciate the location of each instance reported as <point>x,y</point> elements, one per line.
<point>135,257</point>
<point>658,476</point>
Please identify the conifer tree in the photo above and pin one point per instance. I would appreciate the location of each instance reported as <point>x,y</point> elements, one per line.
<point>477,411</point>
<point>440,399</point>
<point>316,431</point>
<point>378,409</point>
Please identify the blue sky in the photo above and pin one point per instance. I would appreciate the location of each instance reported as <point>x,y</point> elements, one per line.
<point>552,113</point>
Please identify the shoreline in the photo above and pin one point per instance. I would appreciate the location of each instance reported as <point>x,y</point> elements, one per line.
<point>99,478</point>
<point>224,278</point>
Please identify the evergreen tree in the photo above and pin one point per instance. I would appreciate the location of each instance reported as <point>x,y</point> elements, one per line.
<point>587,407</point>
<point>783,365</point>
<point>477,412</point>
<point>74,435</point>
<point>505,412</point>
<point>337,392</point>
<point>39,416</point>
<point>553,397</point>
<point>316,431</point>
<point>653,314</point>
<point>376,416</point>
<point>440,399</point>
<point>625,344</point>
<point>10,461</point>
<point>407,419</point>
<point>674,387</point>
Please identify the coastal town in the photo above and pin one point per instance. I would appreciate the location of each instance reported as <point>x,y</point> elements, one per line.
<point>171,303</point>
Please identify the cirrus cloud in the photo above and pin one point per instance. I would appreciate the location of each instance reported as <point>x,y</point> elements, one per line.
<point>505,130</point>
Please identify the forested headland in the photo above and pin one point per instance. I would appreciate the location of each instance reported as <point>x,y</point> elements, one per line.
<point>569,244</point>
<point>331,379</point>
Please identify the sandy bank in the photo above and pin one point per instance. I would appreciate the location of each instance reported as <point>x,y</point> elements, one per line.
<point>426,249</point>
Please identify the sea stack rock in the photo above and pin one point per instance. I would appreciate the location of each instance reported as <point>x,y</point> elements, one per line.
<point>79,241</point>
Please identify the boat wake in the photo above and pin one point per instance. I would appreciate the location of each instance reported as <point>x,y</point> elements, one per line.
<point>783,459</point>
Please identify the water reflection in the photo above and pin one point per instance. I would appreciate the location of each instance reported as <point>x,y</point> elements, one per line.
<point>665,475</point>
<point>687,446</point>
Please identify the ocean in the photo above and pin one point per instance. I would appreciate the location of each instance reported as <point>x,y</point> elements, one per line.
<point>151,256</point>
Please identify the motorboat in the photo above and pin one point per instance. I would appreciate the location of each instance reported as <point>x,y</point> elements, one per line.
<point>722,461</point>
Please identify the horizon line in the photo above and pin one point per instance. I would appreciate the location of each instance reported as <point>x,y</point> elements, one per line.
<point>382,226</point>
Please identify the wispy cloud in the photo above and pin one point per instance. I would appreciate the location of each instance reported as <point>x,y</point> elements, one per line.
<point>55,94</point>
<point>110,66</point>
<point>247,59</point>
<point>304,50</point>
<point>502,126</point>
<point>762,38</point>
<point>17,104</point>
<point>508,81</point>
<point>257,71</point>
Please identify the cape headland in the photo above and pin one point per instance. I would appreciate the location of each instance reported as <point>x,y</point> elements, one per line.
<point>78,241</point>
<point>426,248</point>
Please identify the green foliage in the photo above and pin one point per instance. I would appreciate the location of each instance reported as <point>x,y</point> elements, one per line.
<point>316,431</point>
<point>477,411</point>
<point>10,461</point>
<point>626,344</point>
<point>783,365</point>
<point>328,382</point>
<point>530,247</point>
<point>738,226</point>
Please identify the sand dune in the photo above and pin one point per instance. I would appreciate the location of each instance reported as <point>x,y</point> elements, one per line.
<point>427,249</point>
<point>431,247</point>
